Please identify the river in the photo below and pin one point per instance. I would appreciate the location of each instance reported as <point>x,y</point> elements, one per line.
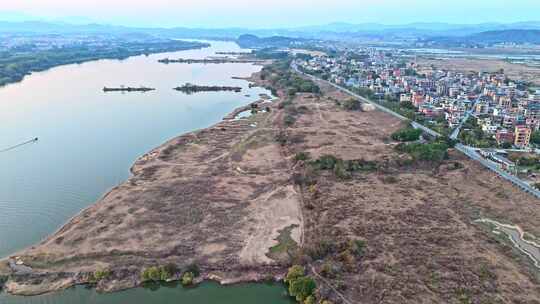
<point>88,140</point>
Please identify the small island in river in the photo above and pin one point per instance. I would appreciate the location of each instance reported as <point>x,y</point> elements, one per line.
<point>189,88</point>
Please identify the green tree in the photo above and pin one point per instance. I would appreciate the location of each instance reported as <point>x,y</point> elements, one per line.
<point>407,134</point>
<point>294,273</point>
<point>151,274</point>
<point>302,287</point>
<point>187,278</point>
<point>352,104</point>
<point>535,138</point>
<point>310,300</point>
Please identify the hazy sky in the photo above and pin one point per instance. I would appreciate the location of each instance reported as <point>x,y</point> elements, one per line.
<point>270,13</point>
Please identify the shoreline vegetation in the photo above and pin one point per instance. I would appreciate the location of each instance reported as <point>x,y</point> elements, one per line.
<point>14,66</point>
<point>189,88</point>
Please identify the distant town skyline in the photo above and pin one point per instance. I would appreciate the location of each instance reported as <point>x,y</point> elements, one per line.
<point>268,14</point>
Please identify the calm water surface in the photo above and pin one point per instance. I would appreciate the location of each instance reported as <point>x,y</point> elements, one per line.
<point>207,293</point>
<point>88,140</point>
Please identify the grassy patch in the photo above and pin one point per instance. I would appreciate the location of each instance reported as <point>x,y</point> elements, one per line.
<point>258,139</point>
<point>285,246</point>
<point>407,134</point>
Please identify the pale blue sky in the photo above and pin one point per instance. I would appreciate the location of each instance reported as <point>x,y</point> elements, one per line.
<point>270,13</point>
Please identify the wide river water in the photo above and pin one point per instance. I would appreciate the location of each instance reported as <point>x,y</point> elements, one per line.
<point>88,140</point>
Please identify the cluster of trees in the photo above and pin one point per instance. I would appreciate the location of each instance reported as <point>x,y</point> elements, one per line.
<point>352,104</point>
<point>271,53</point>
<point>343,169</point>
<point>530,162</point>
<point>364,92</point>
<point>169,271</point>
<point>472,134</point>
<point>14,65</point>
<point>301,286</point>
<point>535,138</point>
<point>407,134</point>
<point>281,77</point>
<point>433,152</point>
<point>99,275</point>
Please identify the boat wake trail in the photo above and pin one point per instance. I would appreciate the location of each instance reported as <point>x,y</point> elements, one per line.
<point>19,145</point>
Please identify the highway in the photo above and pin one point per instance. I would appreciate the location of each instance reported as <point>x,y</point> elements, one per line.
<point>469,151</point>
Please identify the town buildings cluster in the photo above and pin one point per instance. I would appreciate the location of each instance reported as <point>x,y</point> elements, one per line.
<point>505,110</point>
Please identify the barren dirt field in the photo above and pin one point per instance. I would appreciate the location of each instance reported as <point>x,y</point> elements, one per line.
<point>465,65</point>
<point>222,198</point>
<point>416,220</point>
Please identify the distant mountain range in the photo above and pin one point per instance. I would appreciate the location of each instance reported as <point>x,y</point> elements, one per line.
<point>252,41</point>
<point>438,32</point>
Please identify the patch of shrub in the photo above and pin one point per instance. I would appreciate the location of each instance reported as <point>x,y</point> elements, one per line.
<point>341,172</point>
<point>456,166</point>
<point>301,156</point>
<point>407,134</point>
<point>390,180</point>
<point>358,247</point>
<point>310,300</point>
<point>342,169</point>
<point>320,249</point>
<point>3,280</point>
<point>101,274</point>
<point>187,278</point>
<point>289,120</point>
<point>159,273</point>
<point>352,104</point>
<point>328,271</point>
<point>194,269</point>
<point>151,274</point>
<point>432,152</point>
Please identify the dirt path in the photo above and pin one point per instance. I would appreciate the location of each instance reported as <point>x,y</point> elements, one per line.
<point>330,285</point>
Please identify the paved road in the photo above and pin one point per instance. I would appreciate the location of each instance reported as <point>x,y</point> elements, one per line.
<point>469,151</point>
<point>455,134</point>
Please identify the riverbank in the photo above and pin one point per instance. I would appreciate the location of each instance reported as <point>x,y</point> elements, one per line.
<point>308,182</point>
<point>135,225</point>
<point>14,67</point>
